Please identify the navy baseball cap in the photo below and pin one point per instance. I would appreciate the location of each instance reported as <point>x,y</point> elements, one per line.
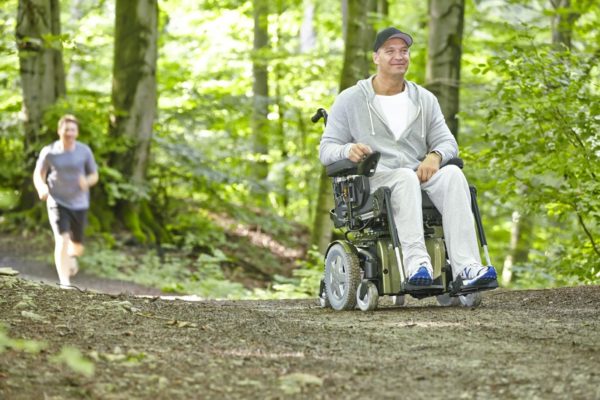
<point>389,33</point>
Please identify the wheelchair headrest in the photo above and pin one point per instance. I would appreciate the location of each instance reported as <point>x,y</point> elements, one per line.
<point>346,167</point>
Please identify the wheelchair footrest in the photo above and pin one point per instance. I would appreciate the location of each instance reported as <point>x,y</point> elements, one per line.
<point>457,288</point>
<point>420,292</point>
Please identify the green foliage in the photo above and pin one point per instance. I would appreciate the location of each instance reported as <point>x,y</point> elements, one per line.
<point>28,346</point>
<point>529,133</point>
<point>304,283</point>
<point>542,130</point>
<point>11,129</point>
<point>212,150</point>
<point>68,355</point>
<point>72,357</point>
<point>176,273</point>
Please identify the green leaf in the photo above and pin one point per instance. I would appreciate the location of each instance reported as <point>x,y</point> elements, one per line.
<point>73,358</point>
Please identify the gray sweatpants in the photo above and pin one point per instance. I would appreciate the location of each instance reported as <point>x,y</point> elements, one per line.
<point>449,191</point>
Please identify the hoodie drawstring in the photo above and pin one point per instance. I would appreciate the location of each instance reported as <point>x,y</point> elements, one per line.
<point>370,116</point>
<point>422,120</point>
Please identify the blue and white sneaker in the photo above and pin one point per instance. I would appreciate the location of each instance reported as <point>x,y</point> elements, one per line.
<point>477,275</point>
<point>421,277</point>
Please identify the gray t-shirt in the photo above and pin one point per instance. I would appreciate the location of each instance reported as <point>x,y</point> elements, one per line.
<point>64,169</point>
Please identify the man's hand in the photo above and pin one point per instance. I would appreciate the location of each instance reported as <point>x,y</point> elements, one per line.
<point>359,152</point>
<point>428,167</point>
<point>83,183</point>
<point>43,193</point>
<point>86,182</point>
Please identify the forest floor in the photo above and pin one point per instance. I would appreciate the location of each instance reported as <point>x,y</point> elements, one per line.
<point>534,344</point>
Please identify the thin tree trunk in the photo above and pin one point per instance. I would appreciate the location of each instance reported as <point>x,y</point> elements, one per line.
<point>308,35</point>
<point>562,23</point>
<point>344,5</point>
<point>260,89</point>
<point>322,224</point>
<point>383,8</point>
<point>134,101</point>
<point>359,43</point>
<point>446,19</point>
<point>281,198</point>
<point>520,242</point>
<point>357,63</point>
<point>42,78</point>
<point>75,74</point>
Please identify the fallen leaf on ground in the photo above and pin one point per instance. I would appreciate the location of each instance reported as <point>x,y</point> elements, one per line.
<point>8,271</point>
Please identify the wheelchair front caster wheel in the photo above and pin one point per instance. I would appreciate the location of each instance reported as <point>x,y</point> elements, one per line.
<point>367,296</point>
<point>470,300</point>
<point>398,300</point>
<point>445,300</point>
<point>323,300</point>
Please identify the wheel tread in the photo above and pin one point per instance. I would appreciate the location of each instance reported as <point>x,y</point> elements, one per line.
<point>353,278</point>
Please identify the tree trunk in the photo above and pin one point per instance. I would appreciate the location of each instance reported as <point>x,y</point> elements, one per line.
<point>322,224</point>
<point>260,89</point>
<point>359,42</point>
<point>42,79</point>
<point>134,104</point>
<point>279,171</point>
<point>357,63</point>
<point>344,18</point>
<point>446,18</point>
<point>562,23</point>
<point>308,36</point>
<point>520,241</point>
<point>383,7</point>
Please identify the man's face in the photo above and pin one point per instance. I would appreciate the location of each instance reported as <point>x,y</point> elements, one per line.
<point>393,57</point>
<point>68,132</point>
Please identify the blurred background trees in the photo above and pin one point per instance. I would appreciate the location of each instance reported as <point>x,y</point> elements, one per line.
<point>199,117</point>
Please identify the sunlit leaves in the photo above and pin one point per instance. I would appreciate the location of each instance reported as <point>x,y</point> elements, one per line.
<point>544,138</point>
<point>76,361</point>
<point>28,346</point>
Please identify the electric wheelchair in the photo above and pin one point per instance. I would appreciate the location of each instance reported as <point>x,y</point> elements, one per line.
<point>367,263</point>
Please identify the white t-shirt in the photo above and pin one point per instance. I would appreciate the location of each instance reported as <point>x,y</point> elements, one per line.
<point>398,110</point>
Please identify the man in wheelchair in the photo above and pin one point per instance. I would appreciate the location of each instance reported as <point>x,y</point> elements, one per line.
<point>392,157</point>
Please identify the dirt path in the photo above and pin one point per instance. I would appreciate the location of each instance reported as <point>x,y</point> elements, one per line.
<point>46,273</point>
<point>24,257</point>
<point>541,344</point>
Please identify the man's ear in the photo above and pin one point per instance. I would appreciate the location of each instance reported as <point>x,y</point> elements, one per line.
<point>376,58</point>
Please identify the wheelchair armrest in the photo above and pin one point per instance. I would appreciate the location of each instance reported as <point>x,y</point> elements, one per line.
<point>346,167</point>
<point>455,161</point>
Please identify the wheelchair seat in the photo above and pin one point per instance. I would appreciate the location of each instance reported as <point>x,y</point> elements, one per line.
<point>354,202</point>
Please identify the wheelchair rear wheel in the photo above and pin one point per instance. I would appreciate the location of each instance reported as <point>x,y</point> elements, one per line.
<point>342,276</point>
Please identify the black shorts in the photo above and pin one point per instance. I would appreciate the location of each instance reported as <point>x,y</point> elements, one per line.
<point>63,220</point>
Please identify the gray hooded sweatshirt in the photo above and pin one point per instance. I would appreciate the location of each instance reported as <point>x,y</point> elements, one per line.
<point>356,118</point>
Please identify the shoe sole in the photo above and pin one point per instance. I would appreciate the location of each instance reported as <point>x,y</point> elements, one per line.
<point>420,281</point>
<point>481,281</point>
